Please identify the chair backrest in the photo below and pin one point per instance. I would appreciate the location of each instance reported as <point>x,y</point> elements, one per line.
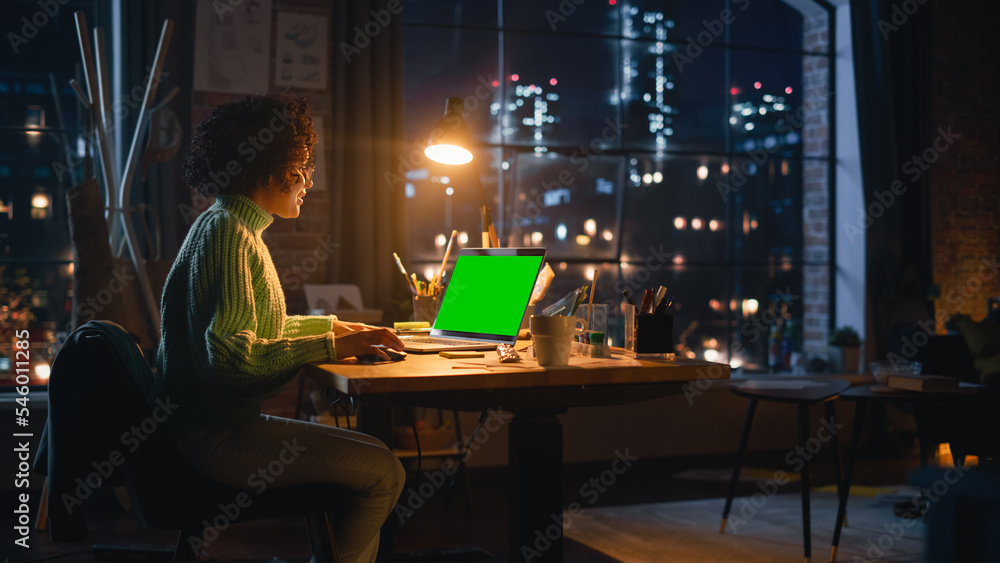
<point>166,492</point>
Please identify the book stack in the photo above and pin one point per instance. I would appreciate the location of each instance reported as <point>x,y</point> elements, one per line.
<point>925,383</point>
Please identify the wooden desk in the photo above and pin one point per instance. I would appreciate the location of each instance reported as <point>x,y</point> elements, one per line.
<point>535,396</point>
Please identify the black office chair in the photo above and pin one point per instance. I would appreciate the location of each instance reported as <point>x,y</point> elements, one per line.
<point>167,493</point>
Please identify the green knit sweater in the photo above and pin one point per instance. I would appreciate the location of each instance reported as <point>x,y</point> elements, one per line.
<point>226,341</point>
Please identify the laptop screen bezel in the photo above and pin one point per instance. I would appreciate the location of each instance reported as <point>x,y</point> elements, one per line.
<point>485,337</point>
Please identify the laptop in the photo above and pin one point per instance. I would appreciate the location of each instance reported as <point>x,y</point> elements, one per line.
<point>484,302</point>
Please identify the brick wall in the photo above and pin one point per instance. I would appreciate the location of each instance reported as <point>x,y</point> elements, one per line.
<point>965,181</point>
<point>295,244</point>
<point>815,186</point>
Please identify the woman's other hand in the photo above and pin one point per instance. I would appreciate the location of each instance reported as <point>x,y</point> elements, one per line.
<point>361,342</point>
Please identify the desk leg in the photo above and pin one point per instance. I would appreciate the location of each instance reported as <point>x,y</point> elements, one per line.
<point>375,419</point>
<point>852,455</point>
<point>535,501</point>
<point>803,443</point>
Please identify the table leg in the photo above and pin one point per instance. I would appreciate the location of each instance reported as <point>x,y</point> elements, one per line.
<point>535,500</point>
<point>832,416</point>
<point>859,423</point>
<point>744,438</point>
<point>375,419</point>
<point>920,416</point>
<point>803,443</point>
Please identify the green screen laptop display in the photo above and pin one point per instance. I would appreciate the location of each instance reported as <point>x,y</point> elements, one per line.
<point>488,293</point>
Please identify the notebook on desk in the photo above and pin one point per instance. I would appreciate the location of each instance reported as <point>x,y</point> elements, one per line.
<point>484,302</point>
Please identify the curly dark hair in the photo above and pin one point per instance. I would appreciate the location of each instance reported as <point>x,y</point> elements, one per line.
<point>245,144</point>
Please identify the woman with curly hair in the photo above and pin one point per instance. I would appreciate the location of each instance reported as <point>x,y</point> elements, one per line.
<point>227,342</point>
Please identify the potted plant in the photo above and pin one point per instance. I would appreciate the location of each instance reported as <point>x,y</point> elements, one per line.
<point>845,350</point>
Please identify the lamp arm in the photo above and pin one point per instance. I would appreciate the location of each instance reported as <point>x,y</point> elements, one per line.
<point>489,231</point>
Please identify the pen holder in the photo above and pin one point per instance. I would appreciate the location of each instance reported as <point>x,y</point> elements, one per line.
<point>425,308</point>
<point>648,334</point>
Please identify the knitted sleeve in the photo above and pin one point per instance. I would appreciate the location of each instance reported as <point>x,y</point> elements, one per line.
<point>307,325</point>
<point>241,362</point>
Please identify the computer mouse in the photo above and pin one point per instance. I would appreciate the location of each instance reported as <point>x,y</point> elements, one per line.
<point>394,356</point>
<point>370,359</point>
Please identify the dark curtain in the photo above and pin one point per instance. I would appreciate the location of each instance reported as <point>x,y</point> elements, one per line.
<point>892,67</point>
<point>368,218</point>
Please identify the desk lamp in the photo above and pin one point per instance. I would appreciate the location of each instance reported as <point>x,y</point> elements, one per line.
<point>449,143</point>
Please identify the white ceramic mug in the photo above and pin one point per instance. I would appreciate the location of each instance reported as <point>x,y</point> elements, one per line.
<point>552,338</point>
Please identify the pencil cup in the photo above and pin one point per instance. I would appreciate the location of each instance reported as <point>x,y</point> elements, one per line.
<point>552,338</point>
<point>425,308</point>
<point>648,334</point>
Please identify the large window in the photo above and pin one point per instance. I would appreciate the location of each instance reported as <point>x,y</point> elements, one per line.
<point>683,144</point>
<point>42,140</point>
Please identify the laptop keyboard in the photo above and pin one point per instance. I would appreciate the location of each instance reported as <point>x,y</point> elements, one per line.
<point>444,341</point>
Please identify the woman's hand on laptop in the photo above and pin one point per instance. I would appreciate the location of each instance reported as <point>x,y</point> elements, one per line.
<point>362,342</point>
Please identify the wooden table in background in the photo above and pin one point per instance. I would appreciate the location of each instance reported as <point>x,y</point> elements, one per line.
<point>534,395</point>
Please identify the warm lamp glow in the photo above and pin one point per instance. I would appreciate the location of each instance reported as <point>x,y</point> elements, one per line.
<point>448,154</point>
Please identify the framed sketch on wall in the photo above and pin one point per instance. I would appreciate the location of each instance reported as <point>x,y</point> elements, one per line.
<point>300,58</point>
<point>232,47</point>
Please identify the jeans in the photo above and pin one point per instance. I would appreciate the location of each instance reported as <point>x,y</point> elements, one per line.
<point>281,452</point>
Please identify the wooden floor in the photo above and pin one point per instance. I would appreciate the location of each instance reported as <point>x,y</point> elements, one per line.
<point>442,522</point>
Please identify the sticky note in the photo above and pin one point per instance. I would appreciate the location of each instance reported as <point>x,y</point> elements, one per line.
<point>459,354</point>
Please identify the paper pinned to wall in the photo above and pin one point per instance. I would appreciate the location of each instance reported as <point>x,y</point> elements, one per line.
<point>232,46</point>
<point>300,58</point>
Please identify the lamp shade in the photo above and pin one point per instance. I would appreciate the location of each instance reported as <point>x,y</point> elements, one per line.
<point>450,141</point>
